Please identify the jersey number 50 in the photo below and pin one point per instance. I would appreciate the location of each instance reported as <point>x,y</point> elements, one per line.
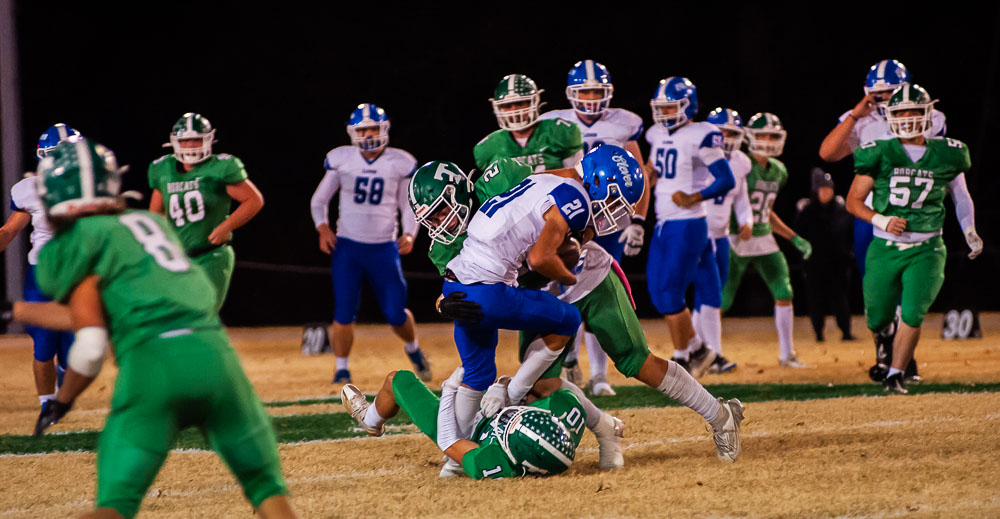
<point>666,162</point>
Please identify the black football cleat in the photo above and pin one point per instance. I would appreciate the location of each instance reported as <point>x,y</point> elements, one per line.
<point>894,384</point>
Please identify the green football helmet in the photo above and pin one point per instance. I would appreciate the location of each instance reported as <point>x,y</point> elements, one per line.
<point>535,439</point>
<point>189,127</point>
<point>78,177</point>
<point>441,199</point>
<point>766,134</point>
<point>512,91</point>
<point>909,98</point>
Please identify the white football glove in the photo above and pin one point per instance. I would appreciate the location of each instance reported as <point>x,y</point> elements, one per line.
<point>495,399</point>
<point>633,236</point>
<point>974,241</point>
<point>455,379</point>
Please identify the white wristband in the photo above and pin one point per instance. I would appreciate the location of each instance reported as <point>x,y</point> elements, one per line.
<point>86,356</point>
<point>881,221</point>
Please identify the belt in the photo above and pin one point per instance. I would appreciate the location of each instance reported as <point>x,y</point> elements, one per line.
<point>907,245</point>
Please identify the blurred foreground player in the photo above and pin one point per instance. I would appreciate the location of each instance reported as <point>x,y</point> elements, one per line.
<point>125,271</point>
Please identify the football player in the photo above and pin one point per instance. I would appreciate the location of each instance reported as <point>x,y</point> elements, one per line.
<point>766,177</point>
<point>691,166</point>
<point>589,91</point>
<point>541,144</point>
<point>908,176</point>
<point>49,346</point>
<point>127,282</point>
<point>194,188</point>
<point>365,246</point>
<point>735,203</point>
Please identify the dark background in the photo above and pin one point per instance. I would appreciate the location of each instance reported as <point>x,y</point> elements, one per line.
<point>279,82</point>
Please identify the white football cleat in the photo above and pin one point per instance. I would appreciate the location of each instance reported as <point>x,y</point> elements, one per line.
<point>599,386</point>
<point>609,432</point>
<point>792,362</point>
<point>727,437</point>
<point>355,403</point>
<point>573,373</point>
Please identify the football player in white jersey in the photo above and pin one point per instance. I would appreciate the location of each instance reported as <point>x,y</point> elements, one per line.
<point>589,91</point>
<point>372,179</point>
<point>27,208</point>
<point>720,209</point>
<point>691,167</point>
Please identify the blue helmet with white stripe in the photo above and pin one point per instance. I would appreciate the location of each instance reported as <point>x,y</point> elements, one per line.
<point>675,102</point>
<point>883,78</point>
<point>364,117</point>
<point>52,137</point>
<point>729,123</point>
<point>591,77</point>
<point>614,182</point>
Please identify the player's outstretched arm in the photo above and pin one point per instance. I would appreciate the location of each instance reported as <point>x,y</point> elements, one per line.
<point>860,187</point>
<point>16,223</point>
<point>543,257</point>
<point>51,316</point>
<point>836,145</point>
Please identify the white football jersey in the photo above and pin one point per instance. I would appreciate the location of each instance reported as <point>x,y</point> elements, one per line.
<point>675,156</point>
<point>720,207</point>
<point>616,126</point>
<point>371,193</point>
<point>590,271</point>
<point>24,197</point>
<point>873,127</point>
<point>506,226</point>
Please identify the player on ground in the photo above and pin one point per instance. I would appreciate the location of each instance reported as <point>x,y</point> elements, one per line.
<point>909,176</point>
<point>194,188</point>
<point>538,439</point>
<point>124,272</point>
<point>365,246</point>
<point>691,166</point>
<point>720,211</point>
<point>863,123</point>
<point>50,347</point>
<point>767,176</point>
<point>548,144</point>
<point>589,90</point>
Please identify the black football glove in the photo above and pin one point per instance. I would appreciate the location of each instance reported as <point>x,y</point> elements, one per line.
<point>455,307</point>
<point>52,412</point>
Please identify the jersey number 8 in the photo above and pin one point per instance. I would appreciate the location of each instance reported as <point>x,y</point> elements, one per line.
<point>167,254</point>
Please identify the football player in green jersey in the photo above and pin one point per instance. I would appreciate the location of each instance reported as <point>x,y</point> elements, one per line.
<point>909,177</point>
<point>124,272</point>
<point>538,439</point>
<point>767,176</point>
<point>542,144</point>
<point>194,188</point>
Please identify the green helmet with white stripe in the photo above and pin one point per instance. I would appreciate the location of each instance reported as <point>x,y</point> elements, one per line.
<point>766,134</point>
<point>441,198</point>
<point>192,127</point>
<point>909,111</point>
<point>516,102</point>
<point>534,439</point>
<point>79,177</point>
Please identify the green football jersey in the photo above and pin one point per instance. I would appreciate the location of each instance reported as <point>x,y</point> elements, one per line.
<point>552,142</point>
<point>763,185</point>
<point>196,201</point>
<point>912,190</point>
<point>489,459</point>
<point>148,286</point>
<point>499,177</point>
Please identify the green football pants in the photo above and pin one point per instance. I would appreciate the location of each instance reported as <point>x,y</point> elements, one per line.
<point>218,265</point>
<point>908,274</point>
<point>772,268</point>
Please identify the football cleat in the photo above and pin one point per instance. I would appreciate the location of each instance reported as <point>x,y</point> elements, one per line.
<point>355,403</point>
<point>609,432</point>
<point>910,374</point>
<point>342,376</point>
<point>727,437</point>
<point>700,360</point>
<point>421,365</point>
<point>598,386</point>
<point>45,407</point>
<point>792,362</point>
<point>571,372</point>
<point>721,365</point>
<point>895,384</point>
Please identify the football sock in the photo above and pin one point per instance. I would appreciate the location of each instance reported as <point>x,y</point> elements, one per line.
<point>411,347</point>
<point>537,359</point>
<point>711,327</point>
<point>372,418</point>
<point>341,363</point>
<point>696,321</point>
<point>466,406</point>
<point>593,412</point>
<point>45,398</point>
<point>893,371</point>
<point>574,354</point>
<point>598,359</point>
<point>783,320</point>
<point>681,354</point>
<point>682,387</point>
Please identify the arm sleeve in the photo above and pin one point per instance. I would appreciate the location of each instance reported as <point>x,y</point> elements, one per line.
<point>406,215</point>
<point>236,172</point>
<point>319,206</point>
<point>964,209</point>
<point>718,166</point>
<point>741,204</point>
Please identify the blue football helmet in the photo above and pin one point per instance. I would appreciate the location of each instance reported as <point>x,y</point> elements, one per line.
<point>589,75</point>
<point>368,116</point>
<point>883,78</point>
<point>52,137</point>
<point>678,93</point>
<point>614,181</point>
<point>729,123</point>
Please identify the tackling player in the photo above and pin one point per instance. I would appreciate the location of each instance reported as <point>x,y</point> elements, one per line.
<point>125,273</point>
<point>909,176</point>
<point>766,177</point>
<point>373,180</point>
<point>194,188</point>
<point>691,166</point>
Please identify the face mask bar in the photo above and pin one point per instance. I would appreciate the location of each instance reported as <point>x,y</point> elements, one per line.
<point>611,214</point>
<point>370,142</point>
<point>519,118</point>
<point>589,106</point>
<point>767,148</point>
<point>458,217</point>
<point>909,126</point>
<point>670,120</point>
<point>196,154</point>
